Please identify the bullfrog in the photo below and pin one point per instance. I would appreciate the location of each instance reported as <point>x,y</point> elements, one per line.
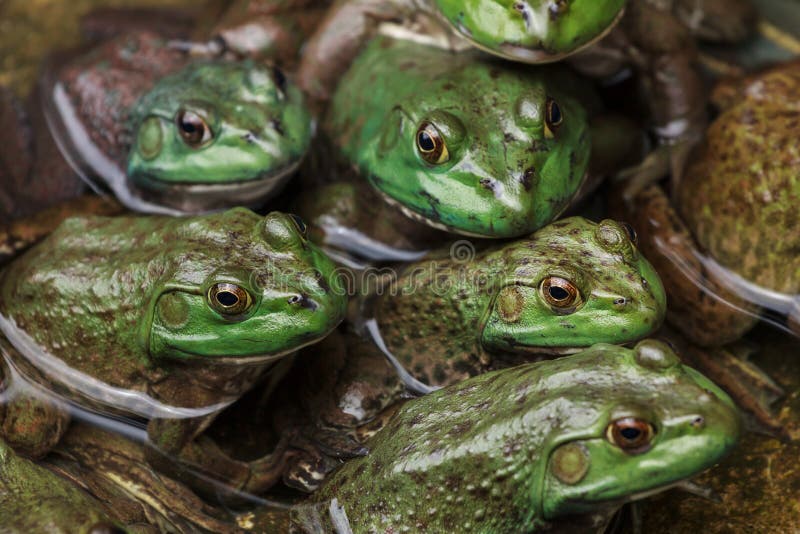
<point>540,447</point>
<point>456,142</point>
<point>167,320</point>
<point>568,286</point>
<point>728,247</point>
<point>656,38</point>
<point>165,132</point>
<point>34,499</point>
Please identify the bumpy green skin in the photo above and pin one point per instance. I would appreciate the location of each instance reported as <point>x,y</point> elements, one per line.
<point>739,196</point>
<point>259,123</point>
<point>486,307</point>
<point>125,301</point>
<point>35,500</point>
<point>533,31</point>
<point>505,176</point>
<point>482,455</point>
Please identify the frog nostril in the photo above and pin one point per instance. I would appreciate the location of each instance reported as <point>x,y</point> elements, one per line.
<point>698,422</point>
<point>621,301</point>
<point>304,302</point>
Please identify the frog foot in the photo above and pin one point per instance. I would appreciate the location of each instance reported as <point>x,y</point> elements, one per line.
<point>322,451</point>
<point>752,389</point>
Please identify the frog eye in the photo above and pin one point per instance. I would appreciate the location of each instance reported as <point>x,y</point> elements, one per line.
<point>280,79</point>
<point>300,224</point>
<point>634,237</point>
<point>193,129</point>
<point>553,118</point>
<point>630,434</point>
<point>229,299</point>
<point>560,294</point>
<point>431,145</point>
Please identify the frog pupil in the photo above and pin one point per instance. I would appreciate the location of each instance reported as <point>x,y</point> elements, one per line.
<point>631,434</point>
<point>426,143</point>
<point>227,299</point>
<point>558,293</point>
<point>555,113</point>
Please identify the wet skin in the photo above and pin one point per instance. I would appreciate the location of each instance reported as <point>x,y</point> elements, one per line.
<point>459,143</point>
<point>165,133</point>
<point>161,318</point>
<point>536,447</point>
<point>570,285</point>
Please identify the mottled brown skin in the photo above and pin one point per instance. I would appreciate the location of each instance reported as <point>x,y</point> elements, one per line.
<point>741,193</point>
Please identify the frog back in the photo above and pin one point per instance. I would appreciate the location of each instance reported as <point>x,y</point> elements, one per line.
<point>83,294</point>
<point>741,192</point>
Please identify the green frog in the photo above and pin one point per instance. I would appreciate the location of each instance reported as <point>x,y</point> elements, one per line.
<point>569,286</point>
<point>455,143</point>
<point>732,236</point>
<point>36,500</point>
<point>559,444</point>
<point>165,132</point>
<point>165,319</point>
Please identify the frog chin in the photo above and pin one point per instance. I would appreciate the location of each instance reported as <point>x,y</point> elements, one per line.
<point>199,197</point>
<point>418,217</point>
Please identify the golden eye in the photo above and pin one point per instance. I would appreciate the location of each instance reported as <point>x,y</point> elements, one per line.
<point>193,129</point>
<point>630,434</point>
<point>561,294</point>
<point>229,299</point>
<point>431,145</point>
<point>553,118</point>
<point>634,237</point>
<point>300,224</point>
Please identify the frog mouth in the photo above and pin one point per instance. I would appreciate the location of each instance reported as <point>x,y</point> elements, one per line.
<point>195,197</point>
<point>418,217</point>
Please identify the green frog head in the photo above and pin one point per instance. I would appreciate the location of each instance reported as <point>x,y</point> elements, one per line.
<point>516,449</point>
<point>265,294</point>
<point>574,284</point>
<point>534,31</point>
<point>624,446</point>
<point>476,147</point>
<point>216,129</point>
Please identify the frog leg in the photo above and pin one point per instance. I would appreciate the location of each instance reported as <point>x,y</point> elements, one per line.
<point>346,28</point>
<point>177,448</point>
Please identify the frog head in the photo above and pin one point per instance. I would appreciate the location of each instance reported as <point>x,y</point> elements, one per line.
<point>246,288</point>
<point>218,133</point>
<point>489,152</point>
<point>624,445</point>
<point>533,31</point>
<point>575,283</point>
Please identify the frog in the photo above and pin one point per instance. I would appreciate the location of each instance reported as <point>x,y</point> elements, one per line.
<point>165,132</point>
<point>36,500</point>
<point>731,231</point>
<point>161,319</point>
<point>656,38</point>
<point>540,447</point>
<point>568,286</point>
<point>455,143</point>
